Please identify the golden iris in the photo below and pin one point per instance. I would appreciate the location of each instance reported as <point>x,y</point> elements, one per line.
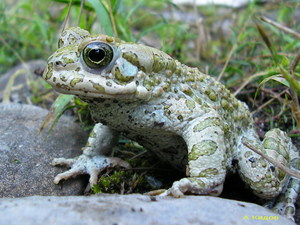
<point>97,55</point>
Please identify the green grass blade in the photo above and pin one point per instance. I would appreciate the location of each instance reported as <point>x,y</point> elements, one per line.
<point>150,29</point>
<point>103,16</point>
<point>57,109</point>
<point>268,43</point>
<point>277,78</point>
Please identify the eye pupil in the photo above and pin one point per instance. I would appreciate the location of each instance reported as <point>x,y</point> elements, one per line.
<point>96,55</point>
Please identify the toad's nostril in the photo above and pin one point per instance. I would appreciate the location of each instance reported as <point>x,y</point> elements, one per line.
<point>60,63</point>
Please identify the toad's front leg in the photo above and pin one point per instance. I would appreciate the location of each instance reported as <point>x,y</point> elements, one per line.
<point>94,158</point>
<point>206,158</point>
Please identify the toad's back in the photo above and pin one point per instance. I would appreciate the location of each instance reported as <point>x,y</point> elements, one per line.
<point>157,123</point>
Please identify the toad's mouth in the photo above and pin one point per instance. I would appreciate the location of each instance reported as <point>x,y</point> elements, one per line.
<point>90,88</point>
<point>89,93</point>
<point>97,87</point>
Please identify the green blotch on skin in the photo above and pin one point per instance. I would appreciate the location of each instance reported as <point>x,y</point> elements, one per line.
<point>133,58</point>
<point>290,210</point>
<point>226,128</point>
<point>268,175</point>
<point>151,82</point>
<point>190,104</point>
<point>224,163</point>
<point>92,134</point>
<point>204,148</point>
<point>120,77</point>
<point>180,117</point>
<point>200,77</point>
<point>209,122</point>
<point>167,112</point>
<point>99,88</point>
<point>281,175</point>
<point>235,117</point>
<point>166,87</point>
<point>187,91</point>
<point>60,42</point>
<point>66,49</point>
<point>148,85</point>
<point>271,143</point>
<point>295,163</point>
<point>197,99</point>
<point>258,186</point>
<point>248,154</point>
<point>263,163</point>
<point>190,78</point>
<point>254,164</point>
<point>235,103</point>
<point>212,96</point>
<point>171,65</point>
<point>158,63</point>
<point>209,172</point>
<point>199,182</point>
<point>77,79</point>
<point>225,104</point>
<point>67,60</point>
<point>49,71</point>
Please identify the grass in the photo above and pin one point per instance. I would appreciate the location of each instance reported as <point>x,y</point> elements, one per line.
<point>26,32</point>
<point>254,59</point>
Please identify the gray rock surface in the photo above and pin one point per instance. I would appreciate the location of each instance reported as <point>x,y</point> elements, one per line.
<point>25,157</point>
<point>134,209</point>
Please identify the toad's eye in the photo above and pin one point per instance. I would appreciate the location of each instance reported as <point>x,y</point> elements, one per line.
<point>97,55</point>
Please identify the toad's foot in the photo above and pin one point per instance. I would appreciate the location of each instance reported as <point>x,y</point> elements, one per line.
<point>192,186</point>
<point>86,165</point>
<point>284,204</point>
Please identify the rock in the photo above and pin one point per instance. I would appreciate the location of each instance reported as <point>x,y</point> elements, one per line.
<point>25,157</point>
<point>134,209</point>
<point>23,84</point>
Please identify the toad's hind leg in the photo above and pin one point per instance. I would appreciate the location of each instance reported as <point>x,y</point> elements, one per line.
<point>206,158</point>
<point>265,179</point>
